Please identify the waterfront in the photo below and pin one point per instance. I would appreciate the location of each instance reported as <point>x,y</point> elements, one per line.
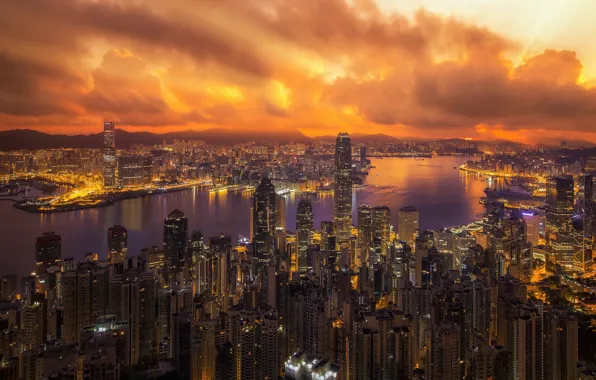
<point>445,197</point>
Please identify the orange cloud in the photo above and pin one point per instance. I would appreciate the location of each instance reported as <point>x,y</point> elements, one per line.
<point>316,65</point>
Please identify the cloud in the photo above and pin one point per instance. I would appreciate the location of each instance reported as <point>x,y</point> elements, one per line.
<point>317,65</point>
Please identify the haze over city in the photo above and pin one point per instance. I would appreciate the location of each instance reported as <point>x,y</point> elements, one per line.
<point>514,70</point>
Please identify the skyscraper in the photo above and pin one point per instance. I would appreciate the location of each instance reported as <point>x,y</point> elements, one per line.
<point>48,251</point>
<point>263,209</point>
<point>175,235</point>
<point>109,154</point>
<point>365,232</point>
<point>560,204</point>
<point>407,224</point>
<point>304,227</point>
<point>343,188</point>
<point>117,243</point>
<point>381,221</point>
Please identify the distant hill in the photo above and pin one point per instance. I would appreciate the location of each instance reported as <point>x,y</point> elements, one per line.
<point>361,138</point>
<point>30,139</point>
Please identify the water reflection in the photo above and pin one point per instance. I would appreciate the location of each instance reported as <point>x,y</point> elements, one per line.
<point>444,196</point>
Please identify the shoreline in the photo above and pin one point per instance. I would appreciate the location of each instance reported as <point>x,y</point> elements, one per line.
<point>38,209</point>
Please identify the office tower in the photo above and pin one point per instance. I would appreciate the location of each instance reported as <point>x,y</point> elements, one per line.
<point>132,298</point>
<point>135,170</point>
<point>280,212</point>
<point>407,224</point>
<point>117,244</point>
<point>343,188</point>
<point>534,223</point>
<point>365,232</point>
<point>304,227</point>
<point>85,298</point>
<point>48,251</point>
<point>381,223</point>
<point>109,154</point>
<point>563,347</point>
<point>363,160</point>
<point>264,200</point>
<point>175,235</point>
<point>560,202</point>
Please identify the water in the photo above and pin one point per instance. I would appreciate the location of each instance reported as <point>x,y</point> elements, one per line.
<point>444,196</point>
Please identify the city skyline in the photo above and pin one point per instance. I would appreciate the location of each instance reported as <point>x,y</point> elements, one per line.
<point>508,294</point>
<point>468,68</point>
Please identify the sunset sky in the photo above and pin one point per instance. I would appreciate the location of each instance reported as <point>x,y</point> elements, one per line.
<point>484,69</point>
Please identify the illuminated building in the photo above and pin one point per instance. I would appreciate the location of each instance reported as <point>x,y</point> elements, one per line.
<point>365,232</point>
<point>304,227</point>
<point>48,251</point>
<point>263,209</point>
<point>109,154</point>
<point>534,223</point>
<point>134,170</point>
<point>175,235</point>
<point>407,224</point>
<point>280,212</point>
<point>381,225</point>
<point>343,189</point>
<point>117,243</point>
<point>302,366</point>
<point>560,203</point>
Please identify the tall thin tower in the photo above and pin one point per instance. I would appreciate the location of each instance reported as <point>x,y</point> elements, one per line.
<point>343,188</point>
<point>109,154</point>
